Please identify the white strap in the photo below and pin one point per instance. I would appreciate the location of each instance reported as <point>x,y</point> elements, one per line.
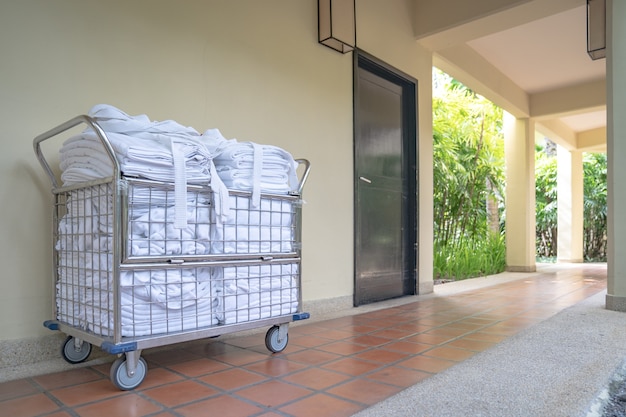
<point>221,201</point>
<point>180,186</point>
<point>257,171</point>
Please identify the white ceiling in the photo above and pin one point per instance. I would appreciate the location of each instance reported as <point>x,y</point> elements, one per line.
<point>547,54</point>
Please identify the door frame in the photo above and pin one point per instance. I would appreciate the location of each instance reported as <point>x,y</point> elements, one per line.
<point>410,149</point>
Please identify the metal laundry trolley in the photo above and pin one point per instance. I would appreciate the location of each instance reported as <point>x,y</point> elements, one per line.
<point>126,280</point>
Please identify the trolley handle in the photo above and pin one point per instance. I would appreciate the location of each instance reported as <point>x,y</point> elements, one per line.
<point>305,174</point>
<point>67,126</point>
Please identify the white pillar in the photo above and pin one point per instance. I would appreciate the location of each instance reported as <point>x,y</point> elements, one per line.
<point>519,153</point>
<point>616,153</point>
<point>570,205</point>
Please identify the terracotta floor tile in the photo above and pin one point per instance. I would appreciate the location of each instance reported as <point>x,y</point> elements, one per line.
<point>310,340</point>
<point>478,321</point>
<point>434,321</point>
<point>429,339</point>
<point>383,356</point>
<point>503,330</point>
<point>493,318</point>
<point>169,357</point>
<point>317,379</point>
<point>232,379</point>
<point>159,376</point>
<point>212,348</point>
<point>382,313</point>
<point>469,344</point>
<point>360,328</point>
<point>485,337</point>
<point>342,348</point>
<point>246,341</point>
<point>426,364</point>
<point>400,377</point>
<point>63,414</point>
<point>321,405</point>
<point>31,405</point>
<point>413,327</point>
<point>468,326</point>
<point>508,311</point>
<point>408,347</point>
<point>105,368</point>
<point>126,405</point>
<point>368,340</point>
<point>450,353</point>
<point>227,406</point>
<point>339,334</point>
<point>381,323</point>
<point>408,308</point>
<point>351,366</point>
<point>450,330</point>
<point>15,389</point>
<point>178,393</point>
<point>86,393</point>
<point>306,329</point>
<point>312,357</point>
<point>364,391</point>
<point>241,357</point>
<point>451,316</point>
<point>340,322</point>
<point>291,348</point>
<point>275,367</point>
<point>67,378</point>
<point>542,312</point>
<point>273,393</point>
<point>393,334</point>
<point>198,367</point>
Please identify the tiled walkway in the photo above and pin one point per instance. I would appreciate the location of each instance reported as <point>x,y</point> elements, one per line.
<point>331,368</point>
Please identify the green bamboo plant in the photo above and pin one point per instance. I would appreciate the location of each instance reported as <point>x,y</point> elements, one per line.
<point>468,178</point>
<point>594,214</point>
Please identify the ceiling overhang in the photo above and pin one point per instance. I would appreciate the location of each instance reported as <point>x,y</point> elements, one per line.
<point>527,56</point>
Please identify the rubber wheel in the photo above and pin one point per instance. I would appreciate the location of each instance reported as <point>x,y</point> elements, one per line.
<point>120,378</point>
<point>73,355</point>
<point>271,340</point>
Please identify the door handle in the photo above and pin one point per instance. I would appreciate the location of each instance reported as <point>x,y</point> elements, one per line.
<point>367,180</point>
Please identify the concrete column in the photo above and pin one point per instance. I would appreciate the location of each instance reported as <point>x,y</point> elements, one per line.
<point>616,153</point>
<point>570,205</point>
<point>519,153</point>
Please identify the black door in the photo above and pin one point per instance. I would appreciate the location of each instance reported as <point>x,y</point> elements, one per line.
<point>385,182</point>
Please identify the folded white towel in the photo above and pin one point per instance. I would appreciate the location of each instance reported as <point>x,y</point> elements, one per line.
<point>146,157</point>
<point>263,229</point>
<point>256,291</point>
<point>143,318</point>
<point>250,166</point>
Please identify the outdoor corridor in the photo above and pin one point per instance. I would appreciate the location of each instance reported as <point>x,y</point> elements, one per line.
<point>331,368</point>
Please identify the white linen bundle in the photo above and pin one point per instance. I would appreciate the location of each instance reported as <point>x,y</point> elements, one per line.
<point>253,292</point>
<point>266,228</point>
<point>250,166</point>
<point>144,148</point>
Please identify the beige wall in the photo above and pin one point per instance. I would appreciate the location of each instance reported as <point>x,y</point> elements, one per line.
<point>251,68</point>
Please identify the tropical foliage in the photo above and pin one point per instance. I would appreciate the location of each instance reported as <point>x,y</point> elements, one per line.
<point>595,215</point>
<point>468,177</point>
<point>546,200</point>
<point>468,180</point>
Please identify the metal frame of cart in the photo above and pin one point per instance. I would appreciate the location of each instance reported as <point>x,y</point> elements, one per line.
<point>92,308</point>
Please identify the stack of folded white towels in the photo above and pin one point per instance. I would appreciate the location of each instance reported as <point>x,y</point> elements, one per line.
<point>175,222</point>
<point>253,292</point>
<point>144,148</point>
<point>250,166</point>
